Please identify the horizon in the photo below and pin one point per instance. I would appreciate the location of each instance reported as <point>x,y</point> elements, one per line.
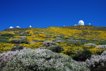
<point>45,13</point>
<point>13,27</point>
<point>49,27</point>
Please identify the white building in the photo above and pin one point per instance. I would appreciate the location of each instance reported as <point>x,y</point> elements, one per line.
<point>11,27</point>
<point>30,26</point>
<point>81,22</point>
<point>18,27</point>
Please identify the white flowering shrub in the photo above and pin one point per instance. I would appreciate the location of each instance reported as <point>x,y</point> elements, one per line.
<point>97,62</point>
<point>41,60</point>
<point>6,56</point>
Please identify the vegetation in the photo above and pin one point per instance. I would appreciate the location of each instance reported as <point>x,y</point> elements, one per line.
<point>39,60</point>
<point>68,38</point>
<point>78,42</point>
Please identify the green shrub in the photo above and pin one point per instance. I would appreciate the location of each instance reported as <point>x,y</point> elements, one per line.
<point>17,47</point>
<point>55,48</point>
<point>72,50</point>
<point>7,35</point>
<point>82,56</point>
<point>52,46</point>
<point>19,41</point>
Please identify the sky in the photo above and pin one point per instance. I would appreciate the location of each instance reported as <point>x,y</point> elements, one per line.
<point>45,13</point>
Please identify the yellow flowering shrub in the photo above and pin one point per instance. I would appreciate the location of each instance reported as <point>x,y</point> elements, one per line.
<point>34,45</point>
<point>96,50</point>
<point>72,50</point>
<point>64,31</point>
<point>102,35</point>
<point>42,35</point>
<point>5,47</point>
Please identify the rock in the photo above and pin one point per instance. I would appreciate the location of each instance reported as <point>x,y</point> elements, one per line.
<point>90,45</point>
<point>48,43</point>
<point>101,46</point>
<point>76,41</point>
<point>59,39</point>
<point>41,60</point>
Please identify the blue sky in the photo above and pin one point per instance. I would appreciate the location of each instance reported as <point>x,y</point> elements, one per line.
<point>44,13</point>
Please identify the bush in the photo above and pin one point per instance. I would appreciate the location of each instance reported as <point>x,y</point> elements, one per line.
<point>97,62</point>
<point>55,48</point>
<point>72,51</point>
<point>19,41</point>
<point>17,47</point>
<point>82,56</point>
<point>5,57</point>
<point>52,46</point>
<point>103,42</point>
<point>7,35</point>
<point>41,60</point>
<point>33,45</point>
<point>4,40</point>
<point>5,47</point>
<point>96,51</point>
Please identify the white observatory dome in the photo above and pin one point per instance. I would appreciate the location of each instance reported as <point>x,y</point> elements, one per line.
<point>18,27</point>
<point>30,26</point>
<point>11,27</point>
<point>81,22</point>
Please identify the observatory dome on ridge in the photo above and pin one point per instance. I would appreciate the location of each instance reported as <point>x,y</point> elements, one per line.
<point>81,22</point>
<point>11,27</point>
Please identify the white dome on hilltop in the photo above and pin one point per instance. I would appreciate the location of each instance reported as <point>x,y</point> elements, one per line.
<point>81,22</point>
<point>30,26</point>
<point>18,27</point>
<point>11,27</point>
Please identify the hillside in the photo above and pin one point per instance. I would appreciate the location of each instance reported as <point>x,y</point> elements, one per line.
<point>77,42</point>
<point>65,37</point>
